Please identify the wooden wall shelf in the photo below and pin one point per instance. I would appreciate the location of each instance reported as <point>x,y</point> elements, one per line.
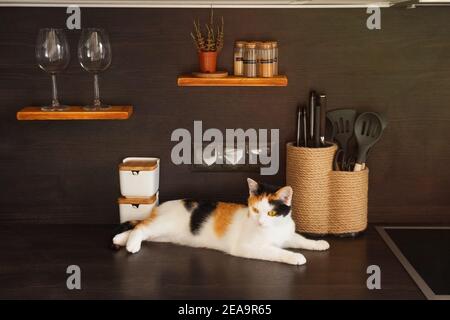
<point>232,81</point>
<point>76,113</point>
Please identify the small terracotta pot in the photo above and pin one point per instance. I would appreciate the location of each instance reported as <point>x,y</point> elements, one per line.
<point>207,61</point>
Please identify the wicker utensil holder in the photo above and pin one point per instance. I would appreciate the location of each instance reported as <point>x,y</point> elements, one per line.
<point>325,201</point>
<point>348,201</point>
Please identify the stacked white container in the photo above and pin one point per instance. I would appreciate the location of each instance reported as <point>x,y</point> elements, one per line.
<point>139,185</point>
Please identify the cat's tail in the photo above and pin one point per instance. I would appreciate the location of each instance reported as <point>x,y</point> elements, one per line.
<point>122,228</point>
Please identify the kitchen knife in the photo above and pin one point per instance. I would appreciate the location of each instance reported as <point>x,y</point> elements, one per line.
<point>317,126</point>
<point>299,125</point>
<point>305,131</point>
<point>323,124</point>
<point>312,104</point>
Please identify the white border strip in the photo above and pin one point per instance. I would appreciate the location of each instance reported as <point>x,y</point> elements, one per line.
<point>198,6</point>
<point>426,290</point>
<point>188,4</point>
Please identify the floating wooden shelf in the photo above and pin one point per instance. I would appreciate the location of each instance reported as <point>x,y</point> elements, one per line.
<point>76,113</point>
<point>232,81</point>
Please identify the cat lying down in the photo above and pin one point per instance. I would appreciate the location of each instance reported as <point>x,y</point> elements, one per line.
<point>260,230</point>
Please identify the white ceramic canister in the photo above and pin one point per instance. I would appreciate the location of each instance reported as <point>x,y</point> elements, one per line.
<point>139,177</point>
<point>136,208</point>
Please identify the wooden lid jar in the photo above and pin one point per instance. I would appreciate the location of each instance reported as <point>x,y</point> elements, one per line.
<point>139,177</point>
<point>136,208</point>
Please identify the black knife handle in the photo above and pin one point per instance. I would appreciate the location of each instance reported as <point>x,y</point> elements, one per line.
<point>317,126</point>
<point>304,127</point>
<point>299,126</point>
<point>323,111</point>
<point>312,105</point>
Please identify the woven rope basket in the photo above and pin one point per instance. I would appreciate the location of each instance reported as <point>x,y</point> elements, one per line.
<point>325,201</point>
<point>348,201</point>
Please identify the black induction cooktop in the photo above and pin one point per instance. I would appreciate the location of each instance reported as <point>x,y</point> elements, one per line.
<point>425,254</point>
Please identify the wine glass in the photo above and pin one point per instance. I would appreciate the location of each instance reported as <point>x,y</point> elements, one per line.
<point>94,54</point>
<point>53,56</point>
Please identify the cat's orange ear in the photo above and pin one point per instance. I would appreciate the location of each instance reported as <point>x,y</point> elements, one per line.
<point>252,186</point>
<point>285,195</point>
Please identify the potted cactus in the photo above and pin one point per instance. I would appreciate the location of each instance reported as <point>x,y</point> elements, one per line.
<point>208,46</point>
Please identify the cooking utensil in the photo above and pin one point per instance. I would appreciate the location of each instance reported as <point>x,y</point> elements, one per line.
<point>343,121</point>
<point>350,163</point>
<point>384,123</point>
<point>323,111</point>
<point>305,131</point>
<point>329,130</point>
<point>317,126</point>
<point>312,104</point>
<point>342,162</point>
<point>299,124</point>
<point>369,127</point>
<point>338,160</point>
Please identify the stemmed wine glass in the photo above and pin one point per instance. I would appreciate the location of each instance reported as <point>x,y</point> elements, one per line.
<point>94,55</point>
<point>53,56</point>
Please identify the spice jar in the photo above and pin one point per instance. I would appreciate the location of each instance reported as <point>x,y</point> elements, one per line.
<point>275,57</point>
<point>258,47</point>
<point>265,59</point>
<point>250,59</point>
<point>239,58</point>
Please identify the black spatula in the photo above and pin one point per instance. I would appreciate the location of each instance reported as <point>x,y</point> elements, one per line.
<point>368,130</point>
<point>342,121</point>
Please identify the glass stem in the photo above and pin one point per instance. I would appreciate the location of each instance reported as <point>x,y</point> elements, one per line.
<point>55,102</point>
<point>97,102</point>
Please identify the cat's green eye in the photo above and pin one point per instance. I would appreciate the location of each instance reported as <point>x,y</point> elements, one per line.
<point>272,213</point>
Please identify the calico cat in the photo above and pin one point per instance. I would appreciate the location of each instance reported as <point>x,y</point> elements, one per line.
<point>260,230</point>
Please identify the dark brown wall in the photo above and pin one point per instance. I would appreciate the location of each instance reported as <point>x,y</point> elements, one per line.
<point>66,171</point>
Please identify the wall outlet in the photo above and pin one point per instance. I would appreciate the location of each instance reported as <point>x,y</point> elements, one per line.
<point>227,158</point>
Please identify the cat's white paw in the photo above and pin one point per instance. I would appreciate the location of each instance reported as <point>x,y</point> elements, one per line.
<point>296,259</point>
<point>133,246</point>
<point>134,241</point>
<point>121,238</point>
<point>321,245</point>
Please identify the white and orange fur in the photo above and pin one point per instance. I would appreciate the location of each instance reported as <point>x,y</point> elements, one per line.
<point>255,231</point>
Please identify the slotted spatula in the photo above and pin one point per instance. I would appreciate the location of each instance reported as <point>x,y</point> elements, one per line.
<point>369,127</point>
<point>342,121</point>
